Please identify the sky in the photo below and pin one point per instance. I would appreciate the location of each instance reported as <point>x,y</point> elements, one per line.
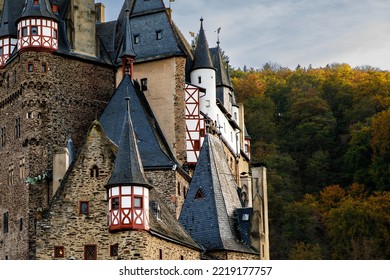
<point>287,32</point>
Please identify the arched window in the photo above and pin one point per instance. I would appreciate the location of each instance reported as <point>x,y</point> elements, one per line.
<point>94,172</point>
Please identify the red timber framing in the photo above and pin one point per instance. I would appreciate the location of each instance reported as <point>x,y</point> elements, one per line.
<point>128,208</point>
<point>195,124</point>
<point>38,33</point>
<point>7,46</point>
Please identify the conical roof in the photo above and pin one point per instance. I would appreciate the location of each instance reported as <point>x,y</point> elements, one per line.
<point>42,10</point>
<point>202,57</point>
<point>128,169</point>
<point>127,46</point>
<point>11,12</point>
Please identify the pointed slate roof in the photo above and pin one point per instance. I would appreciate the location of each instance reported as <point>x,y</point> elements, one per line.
<point>128,169</point>
<point>154,152</point>
<point>208,213</point>
<point>202,57</point>
<point>11,11</point>
<point>127,46</point>
<point>146,18</point>
<point>222,78</point>
<point>41,10</point>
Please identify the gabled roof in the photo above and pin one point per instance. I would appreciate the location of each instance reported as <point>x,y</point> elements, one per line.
<point>146,19</point>
<point>202,57</point>
<point>208,213</point>
<point>128,169</point>
<point>222,78</point>
<point>41,10</point>
<point>154,153</point>
<point>11,11</point>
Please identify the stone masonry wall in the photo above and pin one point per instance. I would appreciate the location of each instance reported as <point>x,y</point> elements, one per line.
<point>171,185</point>
<point>65,226</point>
<point>44,99</point>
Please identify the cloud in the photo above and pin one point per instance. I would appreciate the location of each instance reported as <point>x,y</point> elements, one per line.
<point>291,32</point>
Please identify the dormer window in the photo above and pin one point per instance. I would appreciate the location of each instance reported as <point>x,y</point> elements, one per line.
<point>158,34</point>
<point>136,39</point>
<point>55,8</point>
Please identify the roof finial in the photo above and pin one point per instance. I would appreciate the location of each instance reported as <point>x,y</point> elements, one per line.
<point>218,31</point>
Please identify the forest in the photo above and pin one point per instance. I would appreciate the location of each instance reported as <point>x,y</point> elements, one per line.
<point>324,135</point>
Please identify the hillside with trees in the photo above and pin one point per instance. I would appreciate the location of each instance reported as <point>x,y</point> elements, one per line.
<point>324,135</point>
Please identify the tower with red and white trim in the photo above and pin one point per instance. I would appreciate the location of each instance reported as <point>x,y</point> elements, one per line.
<point>128,188</point>
<point>8,31</point>
<point>37,26</point>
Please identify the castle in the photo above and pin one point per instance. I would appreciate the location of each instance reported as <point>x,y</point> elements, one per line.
<point>120,141</point>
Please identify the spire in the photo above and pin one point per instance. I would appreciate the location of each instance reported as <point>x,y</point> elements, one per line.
<point>37,8</point>
<point>127,47</point>
<point>128,54</point>
<point>202,58</point>
<point>128,169</point>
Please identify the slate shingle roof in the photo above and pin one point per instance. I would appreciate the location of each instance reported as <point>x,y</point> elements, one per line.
<point>146,18</point>
<point>202,57</point>
<point>11,11</point>
<point>41,10</point>
<point>210,217</point>
<point>154,153</point>
<point>128,169</point>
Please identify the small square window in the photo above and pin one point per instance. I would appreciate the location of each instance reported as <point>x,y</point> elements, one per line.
<point>1,50</point>
<point>114,250</point>
<point>59,251</point>
<point>84,207</point>
<point>34,30</point>
<point>43,68</point>
<point>137,202</point>
<point>30,67</point>
<point>55,34</point>
<point>90,252</point>
<point>115,203</point>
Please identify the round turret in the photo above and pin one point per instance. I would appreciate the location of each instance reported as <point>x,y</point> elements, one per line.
<point>37,26</point>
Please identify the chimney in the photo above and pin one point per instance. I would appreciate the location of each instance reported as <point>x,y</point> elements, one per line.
<point>100,12</point>
<point>260,231</point>
<point>60,166</point>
